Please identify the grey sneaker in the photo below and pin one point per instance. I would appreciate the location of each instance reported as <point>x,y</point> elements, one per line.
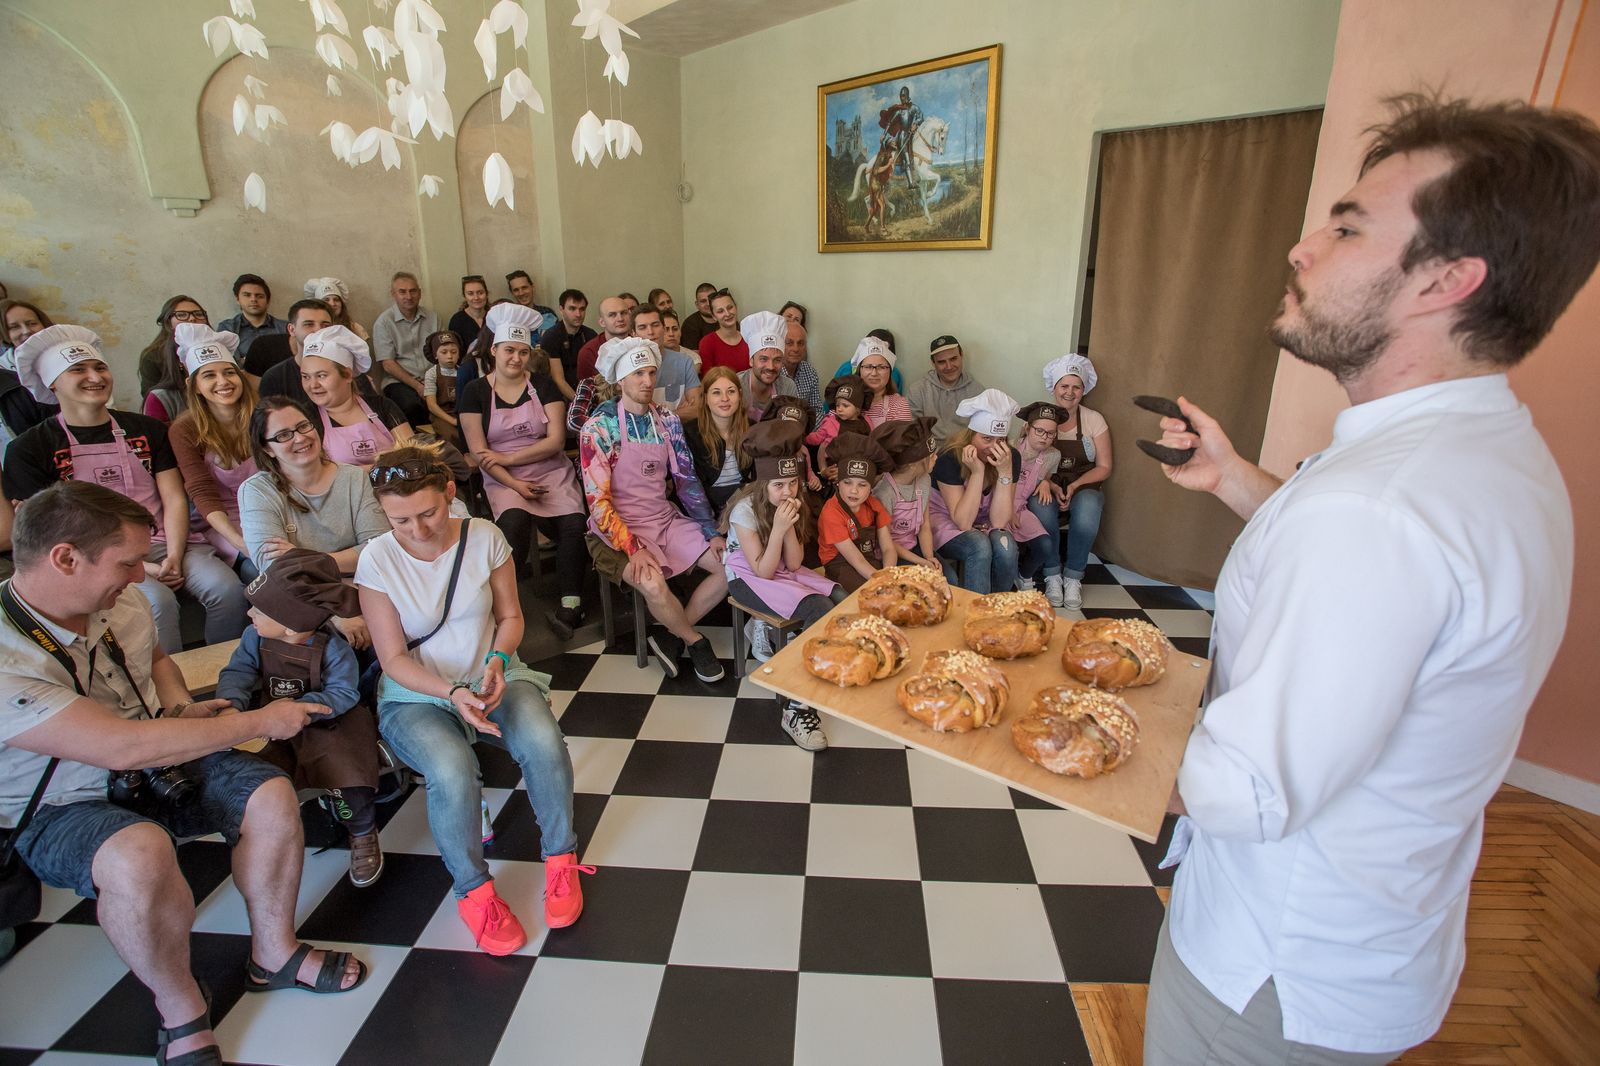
<point>804,726</point>
<point>1053,590</point>
<point>1072,593</point>
<point>1025,584</point>
<point>707,667</point>
<point>759,637</point>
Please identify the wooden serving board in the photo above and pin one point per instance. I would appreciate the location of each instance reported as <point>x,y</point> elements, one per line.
<point>1133,798</point>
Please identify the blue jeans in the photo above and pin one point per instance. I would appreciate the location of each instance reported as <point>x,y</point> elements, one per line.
<point>208,579</point>
<point>438,744</point>
<point>988,560</point>
<point>1083,526</point>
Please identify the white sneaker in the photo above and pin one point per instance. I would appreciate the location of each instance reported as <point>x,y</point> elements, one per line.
<point>804,726</point>
<point>1072,593</point>
<point>759,640</point>
<point>1053,591</point>
<point>1025,584</point>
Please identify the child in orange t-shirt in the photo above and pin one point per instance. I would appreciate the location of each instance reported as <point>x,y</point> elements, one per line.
<point>853,528</point>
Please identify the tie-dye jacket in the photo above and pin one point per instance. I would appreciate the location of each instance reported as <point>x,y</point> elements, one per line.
<point>597,455</point>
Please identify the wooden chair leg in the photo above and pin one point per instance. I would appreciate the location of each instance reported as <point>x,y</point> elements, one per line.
<point>641,630</point>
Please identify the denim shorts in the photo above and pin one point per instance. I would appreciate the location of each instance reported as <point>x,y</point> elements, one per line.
<point>60,843</point>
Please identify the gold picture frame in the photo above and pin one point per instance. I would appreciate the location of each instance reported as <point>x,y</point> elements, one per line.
<point>940,116</point>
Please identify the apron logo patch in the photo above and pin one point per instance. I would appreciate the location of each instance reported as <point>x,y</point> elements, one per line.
<point>108,476</point>
<point>285,688</point>
<point>364,448</point>
<point>522,429</point>
<point>650,467</point>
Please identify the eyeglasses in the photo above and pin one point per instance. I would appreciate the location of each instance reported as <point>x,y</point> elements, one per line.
<point>410,470</point>
<point>189,316</point>
<point>284,436</point>
<point>881,368</point>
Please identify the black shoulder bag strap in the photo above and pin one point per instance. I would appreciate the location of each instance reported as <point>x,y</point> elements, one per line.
<point>450,590</point>
<point>29,625</point>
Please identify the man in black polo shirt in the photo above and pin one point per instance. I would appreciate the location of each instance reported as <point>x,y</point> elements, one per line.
<point>563,341</point>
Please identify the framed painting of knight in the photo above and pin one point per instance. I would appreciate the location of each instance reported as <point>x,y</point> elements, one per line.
<point>905,157</point>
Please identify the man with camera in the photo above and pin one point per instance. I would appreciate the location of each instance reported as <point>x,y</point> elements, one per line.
<point>101,744</point>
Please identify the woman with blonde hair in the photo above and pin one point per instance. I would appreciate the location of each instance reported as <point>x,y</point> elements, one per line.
<point>714,441</point>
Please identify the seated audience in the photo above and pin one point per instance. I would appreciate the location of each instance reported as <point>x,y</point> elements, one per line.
<point>281,377</point>
<point>19,411</point>
<point>211,439</point>
<point>660,299</point>
<point>443,350</point>
<point>520,285</point>
<point>614,323</point>
<point>680,370</point>
<point>887,338</point>
<point>714,437</point>
<point>971,511</point>
<point>336,295</point>
<point>447,637</point>
<point>397,339</point>
<point>797,365</point>
<point>1038,459</point>
<point>79,738</point>
<point>253,295</point>
<point>725,345</point>
<point>853,539</point>
<point>160,353</point>
<point>639,535</point>
<point>467,321</point>
<point>907,489</point>
<point>1084,441</point>
<point>126,452</point>
<point>846,398</point>
<point>794,313</point>
<point>941,389</point>
<point>701,321</point>
<point>166,400</point>
<point>768,525</point>
<point>287,653</point>
<point>764,379</point>
<point>353,431</point>
<point>566,340</point>
<point>874,361</point>
<point>515,423</point>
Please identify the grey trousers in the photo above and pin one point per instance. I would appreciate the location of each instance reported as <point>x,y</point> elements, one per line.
<point>1185,1025</point>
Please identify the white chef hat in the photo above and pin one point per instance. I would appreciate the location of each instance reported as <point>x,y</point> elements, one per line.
<point>338,345</point>
<point>322,288</point>
<point>621,356</point>
<point>513,322</point>
<point>872,346</point>
<point>763,330</point>
<point>42,357</point>
<point>988,413</point>
<point>1072,363</point>
<point>199,344</point>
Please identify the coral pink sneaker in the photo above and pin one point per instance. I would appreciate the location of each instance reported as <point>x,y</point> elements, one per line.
<point>563,897</point>
<point>494,928</point>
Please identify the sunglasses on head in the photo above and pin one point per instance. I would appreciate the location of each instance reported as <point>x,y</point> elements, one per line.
<point>722,292</point>
<point>410,470</point>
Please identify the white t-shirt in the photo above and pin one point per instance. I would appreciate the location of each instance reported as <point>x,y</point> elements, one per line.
<point>416,588</point>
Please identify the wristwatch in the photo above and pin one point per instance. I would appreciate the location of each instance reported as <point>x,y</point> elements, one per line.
<point>1003,481</point>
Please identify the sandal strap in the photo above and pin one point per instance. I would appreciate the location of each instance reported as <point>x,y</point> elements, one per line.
<point>331,977</point>
<point>287,975</point>
<point>166,1036</point>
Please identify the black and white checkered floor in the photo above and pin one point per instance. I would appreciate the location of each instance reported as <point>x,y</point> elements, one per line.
<point>754,904</point>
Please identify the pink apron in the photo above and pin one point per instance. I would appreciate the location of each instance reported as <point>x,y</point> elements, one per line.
<point>905,521</point>
<point>1025,525</point>
<point>357,445</point>
<point>115,466</point>
<point>513,429</point>
<point>783,591</point>
<point>639,494</point>
<point>228,481</point>
<point>944,525</point>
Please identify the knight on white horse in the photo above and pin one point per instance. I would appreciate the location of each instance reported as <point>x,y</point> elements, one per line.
<point>926,140</point>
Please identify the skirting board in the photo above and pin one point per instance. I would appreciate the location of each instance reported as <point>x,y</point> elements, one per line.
<point>1553,784</point>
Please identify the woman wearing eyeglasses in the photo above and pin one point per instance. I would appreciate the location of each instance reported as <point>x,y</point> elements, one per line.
<point>300,498</point>
<point>161,354</point>
<point>874,360</point>
<point>440,596</point>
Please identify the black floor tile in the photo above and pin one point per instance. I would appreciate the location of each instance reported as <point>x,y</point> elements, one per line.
<point>498,768</point>
<point>669,768</point>
<point>442,1006</point>
<point>864,926</point>
<point>10,1056</point>
<point>1097,574</point>
<point>1104,932</point>
<point>205,865</point>
<point>746,837</point>
<point>1019,1023</point>
<point>1024,802</point>
<point>566,670</point>
<point>708,1014</point>
<point>861,775</point>
<point>1162,597</point>
<point>1200,646</point>
<point>516,830</point>
<point>631,915</point>
<point>968,844</point>
<point>687,684</point>
<point>1152,854</point>
<point>757,720</point>
<point>1115,612</point>
<point>606,714</point>
<point>395,910</point>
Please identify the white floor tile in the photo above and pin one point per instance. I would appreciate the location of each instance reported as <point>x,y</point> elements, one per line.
<point>1107,596</point>
<point>596,762</point>
<point>597,647</point>
<point>937,783</point>
<point>1128,577</point>
<point>83,1058</point>
<point>223,911</point>
<point>764,772</point>
<point>557,1020</point>
<point>559,701</point>
<point>1181,623</point>
<point>721,638</point>
<point>520,884</point>
<point>650,831</point>
<point>54,902</point>
<point>848,840</point>
<point>852,1018</point>
<point>744,920</point>
<point>47,986</point>
<point>689,718</point>
<point>618,673</point>
<point>408,831</point>
<point>1204,597</point>
<point>307,1030</point>
<point>846,734</point>
<point>989,932</point>
<point>1069,849</point>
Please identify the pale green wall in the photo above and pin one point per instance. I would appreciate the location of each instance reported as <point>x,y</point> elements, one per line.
<point>1069,68</point>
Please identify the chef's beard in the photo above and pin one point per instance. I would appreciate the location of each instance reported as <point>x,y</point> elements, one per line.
<point>1345,348</point>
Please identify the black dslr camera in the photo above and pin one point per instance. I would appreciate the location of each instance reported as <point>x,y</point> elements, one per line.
<point>154,789</point>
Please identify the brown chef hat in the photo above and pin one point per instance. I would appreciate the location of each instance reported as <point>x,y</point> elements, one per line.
<point>859,456</point>
<point>788,409</point>
<point>848,387</point>
<point>906,442</point>
<point>1042,409</point>
<point>301,590</point>
<point>774,448</point>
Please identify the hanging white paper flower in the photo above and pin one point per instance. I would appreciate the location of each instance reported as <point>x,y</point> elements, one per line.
<point>333,86</point>
<point>498,184</point>
<point>241,113</point>
<point>341,137</point>
<point>595,18</point>
<point>417,16</point>
<point>424,62</point>
<point>518,89</point>
<point>381,5</point>
<point>510,15</point>
<point>588,139</point>
<point>222,31</point>
<point>377,141</point>
<point>617,67</point>
<point>267,117</point>
<point>243,9</point>
<point>381,43</point>
<point>255,192</point>
<point>336,52</point>
<point>485,42</point>
<point>327,13</point>
<point>429,185</point>
<point>622,138</point>
<point>255,86</point>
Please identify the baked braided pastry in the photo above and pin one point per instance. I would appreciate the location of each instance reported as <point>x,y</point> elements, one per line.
<point>1115,653</point>
<point>856,649</point>
<point>955,691</point>
<point>1009,625</point>
<point>1079,732</point>
<point>907,595</point>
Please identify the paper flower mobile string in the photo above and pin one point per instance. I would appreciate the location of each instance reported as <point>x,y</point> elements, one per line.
<point>593,138</point>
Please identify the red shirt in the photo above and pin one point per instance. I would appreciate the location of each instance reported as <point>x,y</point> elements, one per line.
<point>714,351</point>
<point>587,356</point>
<point>833,524</point>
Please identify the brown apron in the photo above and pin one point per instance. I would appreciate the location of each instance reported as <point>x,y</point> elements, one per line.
<point>866,541</point>
<point>329,753</point>
<point>445,396</point>
<point>1075,460</point>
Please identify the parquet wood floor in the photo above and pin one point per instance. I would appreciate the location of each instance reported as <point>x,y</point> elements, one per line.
<point>1529,995</point>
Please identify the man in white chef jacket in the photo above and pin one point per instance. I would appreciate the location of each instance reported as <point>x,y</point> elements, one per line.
<point>1389,612</point>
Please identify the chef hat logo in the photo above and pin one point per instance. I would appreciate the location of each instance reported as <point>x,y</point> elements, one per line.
<point>770,341</point>
<point>933,446</point>
<point>311,348</point>
<point>255,586</point>
<point>73,352</point>
<point>639,357</point>
<point>789,467</point>
<point>791,413</point>
<point>207,352</point>
<point>855,468</point>
<point>516,333</point>
<point>1000,427</point>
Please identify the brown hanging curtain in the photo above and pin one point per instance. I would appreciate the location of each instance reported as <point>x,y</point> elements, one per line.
<point>1195,224</point>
